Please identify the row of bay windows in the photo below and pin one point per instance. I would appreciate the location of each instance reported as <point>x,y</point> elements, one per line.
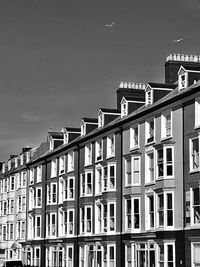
<point>105,181</point>
<point>55,256</point>
<point>13,182</point>
<point>137,254</point>
<point>159,163</point>
<point>12,231</point>
<point>64,224</point>
<point>8,206</point>
<point>159,212</point>
<point>150,254</point>
<point>150,130</point>
<point>88,157</point>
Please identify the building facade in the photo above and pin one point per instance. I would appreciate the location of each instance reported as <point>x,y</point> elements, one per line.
<point>121,190</point>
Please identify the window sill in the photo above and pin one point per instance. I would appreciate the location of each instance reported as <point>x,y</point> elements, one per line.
<point>70,171</point>
<point>194,171</point>
<point>99,160</point>
<point>150,183</point>
<point>110,156</point>
<point>150,143</point>
<point>134,148</point>
<point>165,138</point>
<point>197,127</point>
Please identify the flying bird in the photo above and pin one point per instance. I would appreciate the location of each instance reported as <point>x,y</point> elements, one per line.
<point>177,40</point>
<point>110,25</point>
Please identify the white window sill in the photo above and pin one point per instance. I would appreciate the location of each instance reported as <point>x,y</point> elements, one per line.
<point>194,171</point>
<point>134,148</point>
<point>150,143</point>
<point>165,138</point>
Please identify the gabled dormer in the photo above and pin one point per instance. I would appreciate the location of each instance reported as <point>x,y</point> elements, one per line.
<point>70,133</point>
<point>134,90</point>
<point>155,91</point>
<point>130,104</point>
<point>88,125</point>
<point>188,76</point>
<point>106,115</point>
<point>55,139</point>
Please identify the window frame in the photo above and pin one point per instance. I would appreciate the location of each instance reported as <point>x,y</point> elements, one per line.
<point>132,214</point>
<point>99,150</point>
<point>165,163</point>
<point>191,161</point>
<point>62,165</point>
<point>70,161</point>
<point>148,138</point>
<point>164,124</point>
<point>197,112</point>
<point>54,168</point>
<point>84,219</point>
<point>84,183</point>
<point>110,146</point>
<point>133,144</point>
<point>88,155</point>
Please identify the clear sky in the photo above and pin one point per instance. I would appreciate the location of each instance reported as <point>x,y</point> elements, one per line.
<point>58,61</point>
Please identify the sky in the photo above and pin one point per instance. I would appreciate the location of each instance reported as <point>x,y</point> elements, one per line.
<point>59,63</point>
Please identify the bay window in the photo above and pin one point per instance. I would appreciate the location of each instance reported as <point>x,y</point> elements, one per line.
<point>165,162</point>
<point>165,209</point>
<point>86,220</point>
<point>86,184</point>
<point>132,214</point>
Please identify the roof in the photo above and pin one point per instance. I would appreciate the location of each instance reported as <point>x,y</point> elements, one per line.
<point>92,120</point>
<point>57,135</point>
<point>133,99</point>
<point>193,68</point>
<point>72,129</point>
<point>162,85</point>
<point>173,95</point>
<point>110,110</point>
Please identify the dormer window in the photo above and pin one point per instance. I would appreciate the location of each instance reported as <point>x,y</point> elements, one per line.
<point>66,138</point>
<point>16,162</point>
<point>124,108</point>
<point>100,119</point>
<point>51,144</point>
<point>149,97</point>
<point>182,79</point>
<point>83,132</point>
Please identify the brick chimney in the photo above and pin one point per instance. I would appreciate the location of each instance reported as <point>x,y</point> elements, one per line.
<point>173,63</point>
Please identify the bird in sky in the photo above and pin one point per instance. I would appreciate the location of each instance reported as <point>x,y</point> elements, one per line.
<point>110,25</point>
<point>177,40</point>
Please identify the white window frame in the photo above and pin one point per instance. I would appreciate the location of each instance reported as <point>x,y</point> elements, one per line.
<point>165,163</point>
<point>39,174</point>
<point>110,141</point>
<point>149,97</point>
<point>197,112</point>
<point>149,173</point>
<point>148,132</point>
<point>111,262</point>
<point>191,155</point>
<point>70,161</point>
<point>88,154</point>
<point>84,220</point>
<point>12,183</point>
<point>99,150</point>
<point>106,182</point>
<point>165,210</point>
<point>61,164</point>
<point>134,171</point>
<point>133,135</point>
<point>31,175</point>
<point>50,193</point>
<point>38,200</point>
<point>193,206</point>
<point>165,261</point>
<point>193,263</point>
<point>182,80</point>
<point>69,261</point>
<point>133,227</point>
<point>68,189</point>
<point>53,168</point>
<point>51,225</point>
<point>38,227</point>
<point>149,212</point>
<point>37,260</point>
<point>164,124</point>
<point>124,108</point>
<point>64,226</point>
<point>98,179</point>
<point>84,184</point>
